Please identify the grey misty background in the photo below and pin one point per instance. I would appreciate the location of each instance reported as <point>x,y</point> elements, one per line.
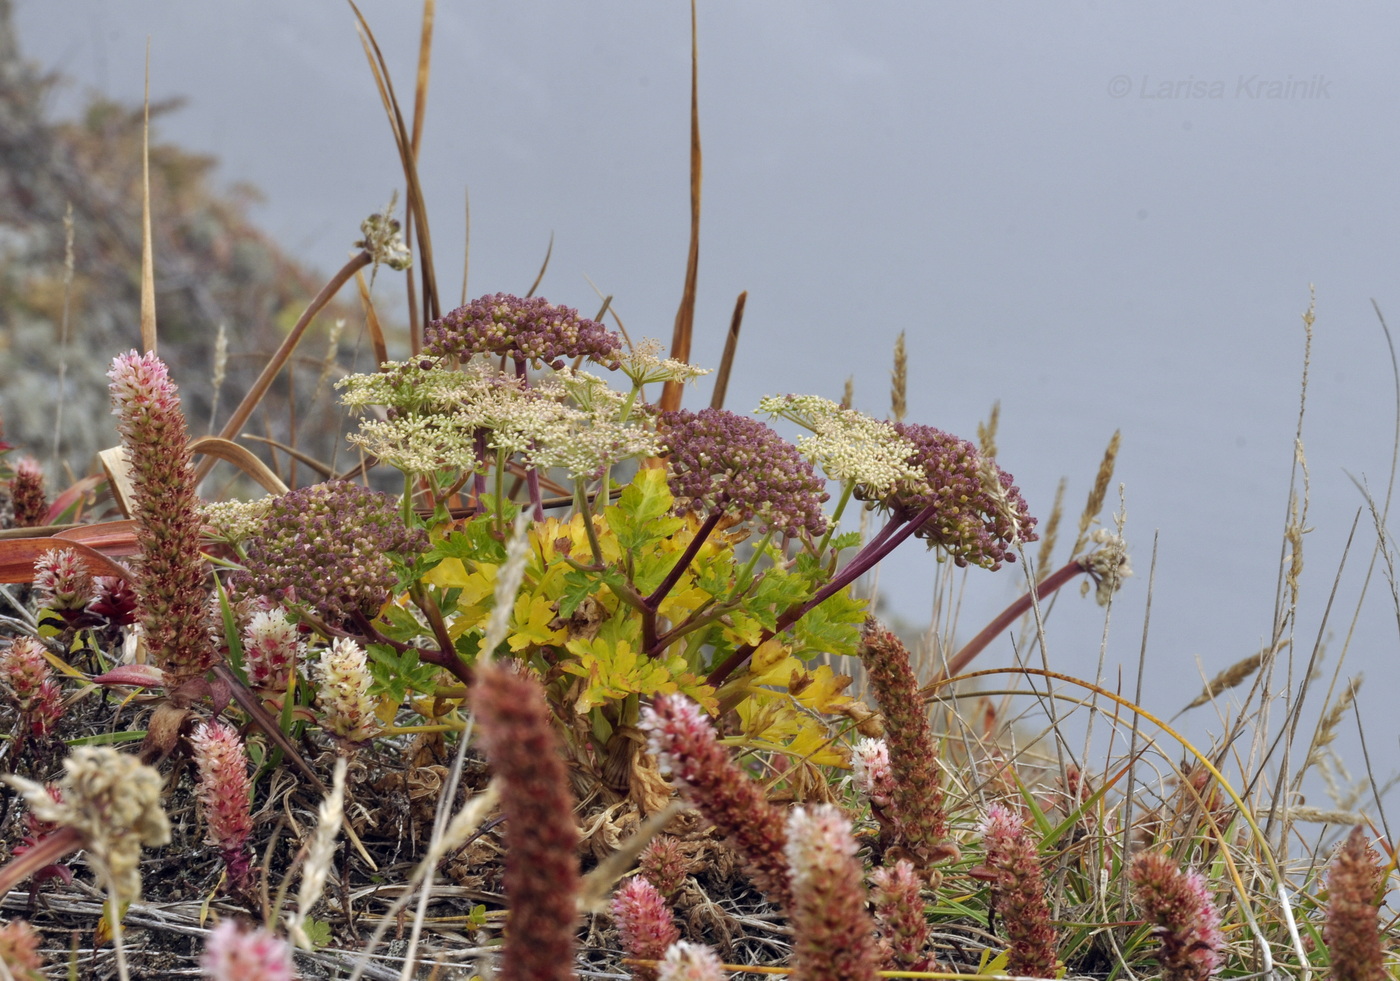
<point>993,179</point>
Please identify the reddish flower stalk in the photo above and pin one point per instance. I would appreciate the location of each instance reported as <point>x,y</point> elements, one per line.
<point>683,740</point>
<point>916,797</point>
<point>27,494</point>
<point>834,937</point>
<point>224,793</point>
<point>899,918</point>
<point>1180,906</point>
<point>1018,894</point>
<point>1352,928</point>
<point>542,866</point>
<point>172,587</point>
<point>645,923</point>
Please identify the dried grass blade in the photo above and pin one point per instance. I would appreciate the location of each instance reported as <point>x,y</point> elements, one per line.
<point>18,555</point>
<point>731,346</point>
<point>539,277</point>
<point>407,159</point>
<point>376,330</point>
<point>274,365</point>
<point>322,469</point>
<point>148,275</point>
<point>685,315</point>
<point>1234,675</point>
<point>242,458</point>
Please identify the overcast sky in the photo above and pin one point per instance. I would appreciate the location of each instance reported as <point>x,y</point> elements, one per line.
<point>1103,215</point>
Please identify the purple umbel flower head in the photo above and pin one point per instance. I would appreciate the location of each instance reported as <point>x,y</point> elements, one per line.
<point>975,524</point>
<point>722,461</point>
<point>524,329</point>
<point>328,546</point>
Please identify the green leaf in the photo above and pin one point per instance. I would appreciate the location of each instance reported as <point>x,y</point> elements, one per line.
<point>832,627</point>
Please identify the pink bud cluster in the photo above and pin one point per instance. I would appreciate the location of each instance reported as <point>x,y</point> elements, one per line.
<point>1352,927</point>
<point>233,953</point>
<point>30,683</point>
<point>272,647</point>
<point>663,864</point>
<point>224,795</point>
<point>171,588</point>
<point>685,961</point>
<point>19,951</point>
<point>834,936</point>
<point>645,925</point>
<point>27,493</point>
<point>1012,866</point>
<point>683,740</point>
<point>62,581</point>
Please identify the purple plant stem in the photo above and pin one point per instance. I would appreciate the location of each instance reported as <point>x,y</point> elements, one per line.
<point>1007,617</point>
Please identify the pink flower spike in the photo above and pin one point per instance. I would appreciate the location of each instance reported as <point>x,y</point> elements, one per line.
<point>644,923</point>
<point>172,586</point>
<point>224,792</point>
<point>1018,894</point>
<point>235,954</point>
<point>63,582</point>
<point>834,935</point>
<point>27,494</point>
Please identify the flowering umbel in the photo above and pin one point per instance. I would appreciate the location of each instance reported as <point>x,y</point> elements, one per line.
<point>975,512</point>
<point>1018,894</point>
<point>720,461</point>
<point>542,866</point>
<point>1352,928</point>
<point>328,546</point>
<point>683,740</point>
<point>224,792</point>
<point>834,937</point>
<point>1186,920</point>
<point>171,589</point>
<point>524,329</point>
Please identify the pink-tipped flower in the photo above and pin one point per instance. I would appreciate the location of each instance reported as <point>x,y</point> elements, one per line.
<point>272,646</point>
<point>1178,903</point>
<point>683,740</point>
<point>30,682</point>
<point>343,694</point>
<point>1352,928</point>
<point>899,917</point>
<point>1018,894</point>
<point>663,864</point>
<point>235,954</point>
<point>172,587</point>
<point>645,924</point>
<point>62,581</point>
<point>916,796</point>
<point>224,793</point>
<point>19,951</point>
<point>685,961</point>
<point>834,936</point>
<point>27,494</point>
<point>541,836</point>
<point>870,762</point>
<point>115,600</point>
